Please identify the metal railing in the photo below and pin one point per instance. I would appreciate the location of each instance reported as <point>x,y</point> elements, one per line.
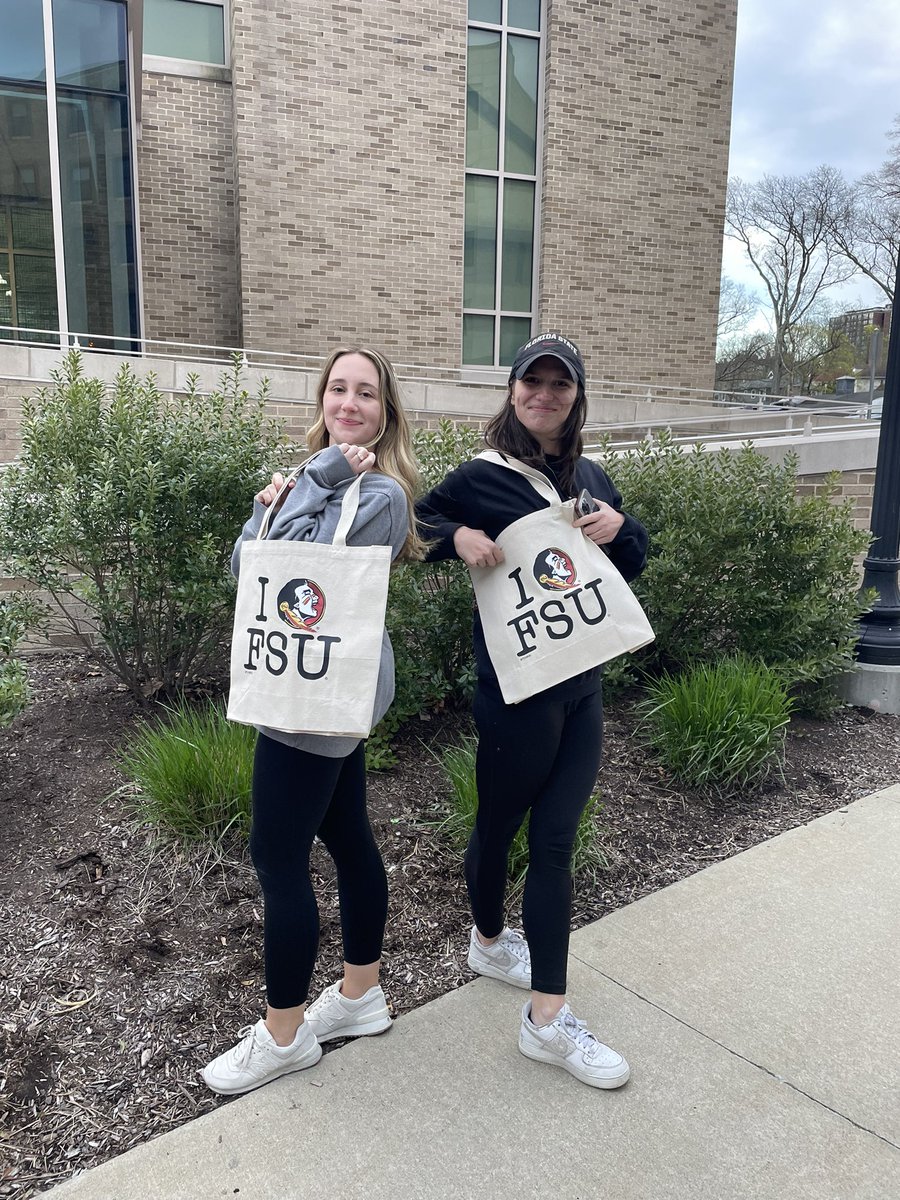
<point>745,408</point>
<point>253,357</point>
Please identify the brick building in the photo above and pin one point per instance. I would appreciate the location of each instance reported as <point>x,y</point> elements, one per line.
<point>867,330</point>
<point>438,179</point>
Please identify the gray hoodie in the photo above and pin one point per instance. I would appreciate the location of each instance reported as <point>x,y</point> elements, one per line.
<point>310,513</point>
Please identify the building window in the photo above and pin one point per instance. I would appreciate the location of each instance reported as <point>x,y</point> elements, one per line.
<point>502,156</point>
<point>186,29</point>
<point>67,230</point>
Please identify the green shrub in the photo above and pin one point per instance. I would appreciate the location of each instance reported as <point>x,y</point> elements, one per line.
<point>127,505</point>
<point>739,563</point>
<point>429,612</point>
<point>193,771</point>
<point>17,615</point>
<point>721,724</point>
<point>459,766</point>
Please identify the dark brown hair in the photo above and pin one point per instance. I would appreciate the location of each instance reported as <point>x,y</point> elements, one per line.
<point>506,433</point>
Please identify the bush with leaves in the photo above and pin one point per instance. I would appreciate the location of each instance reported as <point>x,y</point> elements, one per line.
<point>739,562</point>
<point>718,724</point>
<point>125,504</point>
<point>429,612</point>
<point>17,615</point>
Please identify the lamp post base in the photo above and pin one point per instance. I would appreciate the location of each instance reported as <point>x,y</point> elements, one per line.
<point>872,685</point>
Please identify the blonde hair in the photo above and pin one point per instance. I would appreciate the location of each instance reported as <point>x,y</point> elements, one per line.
<point>392,445</point>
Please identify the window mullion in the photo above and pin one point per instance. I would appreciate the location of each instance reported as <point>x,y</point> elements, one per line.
<point>59,253</point>
<point>501,164</point>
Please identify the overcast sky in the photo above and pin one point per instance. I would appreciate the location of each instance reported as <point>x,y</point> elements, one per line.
<point>815,81</point>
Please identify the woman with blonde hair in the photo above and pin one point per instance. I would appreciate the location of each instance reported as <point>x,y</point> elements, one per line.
<point>307,785</point>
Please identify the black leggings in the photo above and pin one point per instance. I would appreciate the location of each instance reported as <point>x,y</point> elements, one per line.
<point>542,755</point>
<point>298,796</point>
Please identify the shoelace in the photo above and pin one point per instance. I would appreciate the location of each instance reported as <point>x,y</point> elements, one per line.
<point>516,945</point>
<point>580,1034</point>
<point>244,1048</point>
<point>328,1002</point>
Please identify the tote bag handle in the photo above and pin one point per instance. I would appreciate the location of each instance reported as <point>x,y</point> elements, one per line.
<point>349,505</point>
<point>539,482</point>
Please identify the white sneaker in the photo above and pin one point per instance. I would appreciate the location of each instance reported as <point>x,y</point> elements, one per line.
<point>258,1059</point>
<point>508,958</point>
<point>333,1015</point>
<point>567,1042</point>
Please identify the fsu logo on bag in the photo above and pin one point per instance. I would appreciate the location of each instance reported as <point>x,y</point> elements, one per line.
<point>554,570</point>
<point>301,604</point>
<point>538,619</point>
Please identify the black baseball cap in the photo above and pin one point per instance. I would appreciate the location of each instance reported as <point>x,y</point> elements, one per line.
<point>549,343</point>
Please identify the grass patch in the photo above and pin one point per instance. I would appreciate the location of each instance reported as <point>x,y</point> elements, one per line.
<point>721,725</point>
<point>193,770</point>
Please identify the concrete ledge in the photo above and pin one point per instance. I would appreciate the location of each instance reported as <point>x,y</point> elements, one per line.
<point>870,685</point>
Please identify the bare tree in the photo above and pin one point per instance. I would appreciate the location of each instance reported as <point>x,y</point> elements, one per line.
<point>867,230</point>
<point>817,353</point>
<point>737,304</point>
<point>743,360</point>
<point>786,226</point>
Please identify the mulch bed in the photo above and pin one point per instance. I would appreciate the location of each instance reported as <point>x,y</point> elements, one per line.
<point>127,961</point>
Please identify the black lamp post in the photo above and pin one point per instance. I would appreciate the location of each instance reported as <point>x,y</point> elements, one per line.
<point>879,638</point>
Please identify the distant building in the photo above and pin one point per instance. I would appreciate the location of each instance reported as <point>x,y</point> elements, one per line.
<point>857,326</point>
<point>439,178</point>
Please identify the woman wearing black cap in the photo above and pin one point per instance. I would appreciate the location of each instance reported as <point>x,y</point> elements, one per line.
<point>541,755</point>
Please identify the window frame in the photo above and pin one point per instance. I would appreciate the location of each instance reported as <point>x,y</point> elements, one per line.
<point>167,64</point>
<point>501,175</point>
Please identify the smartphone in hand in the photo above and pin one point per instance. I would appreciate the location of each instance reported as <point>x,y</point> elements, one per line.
<point>585,504</point>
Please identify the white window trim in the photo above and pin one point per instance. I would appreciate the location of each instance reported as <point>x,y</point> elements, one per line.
<point>59,253</point>
<point>188,68</point>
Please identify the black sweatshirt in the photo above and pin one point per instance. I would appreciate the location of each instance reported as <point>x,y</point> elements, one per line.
<point>482,495</point>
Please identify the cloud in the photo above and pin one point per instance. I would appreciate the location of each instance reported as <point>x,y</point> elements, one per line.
<point>815,81</point>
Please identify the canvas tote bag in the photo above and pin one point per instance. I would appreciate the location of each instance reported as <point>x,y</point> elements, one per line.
<point>557,605</point>
<point>308,627</point>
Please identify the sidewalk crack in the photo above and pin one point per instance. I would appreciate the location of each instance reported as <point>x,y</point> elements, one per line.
<point>736,1054</point>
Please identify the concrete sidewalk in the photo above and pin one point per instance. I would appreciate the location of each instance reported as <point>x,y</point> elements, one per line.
<point>758,1003</point>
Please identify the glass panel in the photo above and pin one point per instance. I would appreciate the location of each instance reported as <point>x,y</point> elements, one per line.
<point>98,231</point>
<point>6,308</point>
<point>514,332</point>
<point>26,215</point>
<point>521,105</point>
<point>518,245</point>
<point>32,229</point>
<point>478,340</point>
<point>22,40</point>
<point>35,278</point>
<point>90,39</point>
<point>485,10</point>
<point>524,14</point>
<point>480,259</point>
<point>180,29</point>
<point>483,100</point>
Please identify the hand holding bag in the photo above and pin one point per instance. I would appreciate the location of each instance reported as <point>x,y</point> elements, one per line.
<point>557,605</point>
<point>308,630</point>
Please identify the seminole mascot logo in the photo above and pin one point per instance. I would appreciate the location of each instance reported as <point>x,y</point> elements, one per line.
<point>301,604</point>
<point>554,570</point>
